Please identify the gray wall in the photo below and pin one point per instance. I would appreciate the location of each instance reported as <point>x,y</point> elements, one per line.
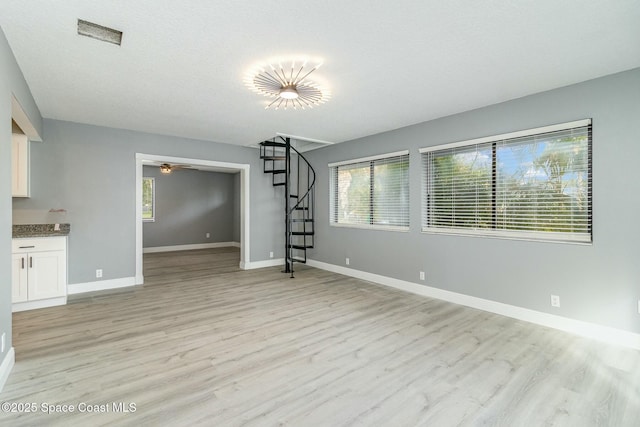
<point>189,204</point>
<point>90,172</point>
<point>598,283</point>
<point>11,81</point>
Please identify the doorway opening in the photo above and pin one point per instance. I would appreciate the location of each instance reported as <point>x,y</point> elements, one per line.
<point>201,164</point>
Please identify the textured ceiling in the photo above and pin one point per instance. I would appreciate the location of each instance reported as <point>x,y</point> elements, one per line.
<point>388,64</point>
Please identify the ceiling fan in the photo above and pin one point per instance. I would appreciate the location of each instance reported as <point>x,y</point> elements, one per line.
<point>167,168</point>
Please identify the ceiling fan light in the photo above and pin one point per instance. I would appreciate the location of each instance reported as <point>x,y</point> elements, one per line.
<point>166,169</point>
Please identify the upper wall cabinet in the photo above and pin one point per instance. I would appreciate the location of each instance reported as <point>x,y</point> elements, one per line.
<point>19,165</point>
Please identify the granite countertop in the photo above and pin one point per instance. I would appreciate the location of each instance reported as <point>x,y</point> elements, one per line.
<point>40,230</point>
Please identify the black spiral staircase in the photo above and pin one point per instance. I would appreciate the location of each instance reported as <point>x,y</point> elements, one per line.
<point>291,170</point>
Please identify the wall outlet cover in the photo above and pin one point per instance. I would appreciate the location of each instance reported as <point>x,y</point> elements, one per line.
<point>346,261</point>
<point>555,301</point>
<point>422,275</point>
<point>98,273</point>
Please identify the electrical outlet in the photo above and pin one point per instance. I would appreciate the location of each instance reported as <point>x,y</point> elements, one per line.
<point>555,301</point>
<point>346,261</point>
<point>639,306</point>
<point>98,273</point>
<point>2,343</point>
<point>271,254</point>
<point>422,275</point>
<point>208,235</point>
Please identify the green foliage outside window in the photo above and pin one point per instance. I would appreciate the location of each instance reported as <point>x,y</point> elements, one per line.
<point>371,193</point>
<point>148,202</point>
<point>536,184</point>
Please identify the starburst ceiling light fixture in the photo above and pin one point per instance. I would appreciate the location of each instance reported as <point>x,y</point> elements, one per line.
<point>288,85</point>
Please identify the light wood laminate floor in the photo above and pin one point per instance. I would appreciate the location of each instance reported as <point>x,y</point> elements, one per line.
<point>204,343</point>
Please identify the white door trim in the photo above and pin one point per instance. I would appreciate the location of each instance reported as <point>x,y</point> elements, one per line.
<point>244,170</point>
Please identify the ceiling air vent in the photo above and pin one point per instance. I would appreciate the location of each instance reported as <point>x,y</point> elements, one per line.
<point>95,31</point>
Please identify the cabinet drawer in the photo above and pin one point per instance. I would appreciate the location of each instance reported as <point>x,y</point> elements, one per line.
<point>38,244</point>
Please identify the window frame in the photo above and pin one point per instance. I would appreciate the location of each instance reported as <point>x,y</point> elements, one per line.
<point>333,207</point>
<point>539,236</point>
<point>153,199</point>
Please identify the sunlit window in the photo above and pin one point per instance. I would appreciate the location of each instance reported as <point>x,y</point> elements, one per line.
<point>148,199</point>
<point>371,192</point>
<point>530,184</point>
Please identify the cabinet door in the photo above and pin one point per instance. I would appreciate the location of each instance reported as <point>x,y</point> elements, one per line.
<point>18,277</point>
<point>19,165</point>
<point>47,275</point>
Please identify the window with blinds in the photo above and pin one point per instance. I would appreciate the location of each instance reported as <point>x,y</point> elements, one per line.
<point>148,199</point>
<point>372,192</point>
<point>531,184</point>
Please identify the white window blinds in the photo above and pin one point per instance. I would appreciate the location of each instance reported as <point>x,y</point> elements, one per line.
<point>371,192</point>
<point>531,184</point>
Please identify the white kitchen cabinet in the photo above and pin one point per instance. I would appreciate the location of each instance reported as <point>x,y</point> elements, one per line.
<point>39,272</point>
<point>18,278</point>
<point>19,165</point>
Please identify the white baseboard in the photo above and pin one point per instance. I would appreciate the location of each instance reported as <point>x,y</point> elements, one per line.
<point>43,303</point>
<point>190,247</point>
<point>578,327</point>
<point>262,264</point>
<point>100,285</point>
<point>6,366</point>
